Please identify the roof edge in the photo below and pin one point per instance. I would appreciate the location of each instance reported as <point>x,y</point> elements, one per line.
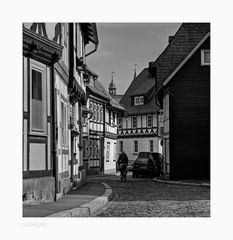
<point>186,59</point>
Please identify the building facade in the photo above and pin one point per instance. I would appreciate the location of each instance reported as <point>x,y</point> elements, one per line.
<point>101,132</point>
<point>139,132</point>
<point>54,93</point>
<point>184,96</point>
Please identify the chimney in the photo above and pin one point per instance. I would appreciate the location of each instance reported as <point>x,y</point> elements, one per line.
<point>152,69</point>
<point>170,39</point>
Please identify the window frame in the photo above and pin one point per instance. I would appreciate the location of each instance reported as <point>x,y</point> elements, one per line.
<point>134,117</point>
<point>147,122</point>
<point>151,144</point>
<point>64,124</point>
<point>203,51</point>
<point>135,145</point>
<point>108,152</point>
<point>141,98</point>
<point>121,146</point>
<point>136,101</point>
<point>36,66</point>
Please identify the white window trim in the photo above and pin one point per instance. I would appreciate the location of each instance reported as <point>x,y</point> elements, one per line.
<point>141,102</point>
<point>151,120</point>
<point>66,142</point>
<point>136,122</point>
<point>108,152</point>
<point>203,51</point>
<point>136,101</point>
<point>34,65</point>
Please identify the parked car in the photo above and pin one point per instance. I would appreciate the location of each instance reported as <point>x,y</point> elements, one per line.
<point>147,163</point>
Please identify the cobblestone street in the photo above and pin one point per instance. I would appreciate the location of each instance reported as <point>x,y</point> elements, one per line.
<point>143,197</point>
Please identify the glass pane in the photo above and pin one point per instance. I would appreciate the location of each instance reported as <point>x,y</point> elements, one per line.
<point>36,85</point>
<point>37,114</point>
<point>206,57</point>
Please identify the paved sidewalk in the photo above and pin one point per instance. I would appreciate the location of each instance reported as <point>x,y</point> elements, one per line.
<point>82,202</point>
<point>191,182</point>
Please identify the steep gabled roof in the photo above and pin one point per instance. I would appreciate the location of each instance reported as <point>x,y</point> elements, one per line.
<point>141,85</point>
<point>185,39</point>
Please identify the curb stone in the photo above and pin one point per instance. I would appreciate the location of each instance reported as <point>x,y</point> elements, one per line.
<point>89,208</point>
<point>182,183</point>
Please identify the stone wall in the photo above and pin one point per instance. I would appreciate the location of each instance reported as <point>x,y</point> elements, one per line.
<point>36,190</point>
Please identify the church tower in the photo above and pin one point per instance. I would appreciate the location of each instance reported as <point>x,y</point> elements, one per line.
<point>112,87</point>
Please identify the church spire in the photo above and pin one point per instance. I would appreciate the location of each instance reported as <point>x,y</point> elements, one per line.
<point>112,87</point>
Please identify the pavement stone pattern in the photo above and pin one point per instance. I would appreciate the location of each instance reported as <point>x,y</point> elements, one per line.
<point>143,197</point>
<point>70,204</point>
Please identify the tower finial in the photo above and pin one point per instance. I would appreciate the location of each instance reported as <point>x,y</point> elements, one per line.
<point>135,74</point>
<point>112,76</point>
<point>112,87</point>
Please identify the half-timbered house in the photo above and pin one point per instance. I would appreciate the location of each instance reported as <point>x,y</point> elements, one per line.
<point>101,142</point>
<point>54,60</point>
<point>139,131</point>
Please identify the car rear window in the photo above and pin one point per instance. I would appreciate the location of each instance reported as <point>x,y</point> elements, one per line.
<point>141,161</point>
<point>144,155</point>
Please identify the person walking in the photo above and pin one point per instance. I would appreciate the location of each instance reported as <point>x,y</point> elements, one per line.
<point>122,164</point>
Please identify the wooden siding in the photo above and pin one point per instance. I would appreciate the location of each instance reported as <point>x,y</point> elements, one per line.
<point>190,119</point>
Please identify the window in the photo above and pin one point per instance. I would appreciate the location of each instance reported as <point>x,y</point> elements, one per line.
<point>139,100</point>
<point>38,97</point>
<point>37,117</point>
<point>101,113</point>
<point>135,146</point>
<point>97,113</point>
<point>136,101</point>
<point>64,127</point>
<point>151,146</point>
<point>121,146</point>
<point>149,121</point>
<point>205,57</point>
<point>108,152</point>
<point>134,122</point>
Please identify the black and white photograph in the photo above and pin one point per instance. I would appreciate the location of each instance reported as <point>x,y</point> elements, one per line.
<point>106,136</point>
<point>116,120</point>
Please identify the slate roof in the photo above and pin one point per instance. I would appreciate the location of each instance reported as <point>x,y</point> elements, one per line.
<point>143,84</point>
<point>185,39</point>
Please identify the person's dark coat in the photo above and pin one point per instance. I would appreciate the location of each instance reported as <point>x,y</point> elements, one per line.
<point>123,159</point>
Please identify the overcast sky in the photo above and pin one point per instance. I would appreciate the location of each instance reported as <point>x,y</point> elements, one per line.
<point>122,45</point>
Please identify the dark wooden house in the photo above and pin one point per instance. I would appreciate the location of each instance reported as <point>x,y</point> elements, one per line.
<point>183,70</point>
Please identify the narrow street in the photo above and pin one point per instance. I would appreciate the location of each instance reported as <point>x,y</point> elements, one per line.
<point>143,197</point>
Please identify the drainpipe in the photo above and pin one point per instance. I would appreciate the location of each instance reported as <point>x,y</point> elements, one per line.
<point>54,138</point>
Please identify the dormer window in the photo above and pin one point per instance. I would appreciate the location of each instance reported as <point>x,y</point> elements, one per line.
<point>205,57</point>
<point>139,100</point>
